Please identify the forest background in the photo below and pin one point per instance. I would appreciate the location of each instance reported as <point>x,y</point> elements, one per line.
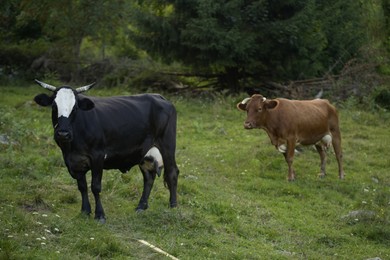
<point>292,48</point>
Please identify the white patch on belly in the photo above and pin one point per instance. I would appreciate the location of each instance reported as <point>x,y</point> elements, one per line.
<point>152,161</point>
<point>326,140</point>
<point>282,148</point>
<point>155,153</point>
<point>65,101</point>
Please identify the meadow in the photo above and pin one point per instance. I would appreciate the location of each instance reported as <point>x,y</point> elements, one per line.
<point>234,198</point>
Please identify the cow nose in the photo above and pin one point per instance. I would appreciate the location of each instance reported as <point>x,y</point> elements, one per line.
<point>248,125</point>
<point>64,135</point>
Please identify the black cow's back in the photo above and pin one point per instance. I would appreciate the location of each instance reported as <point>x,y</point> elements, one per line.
<point>120,130</point>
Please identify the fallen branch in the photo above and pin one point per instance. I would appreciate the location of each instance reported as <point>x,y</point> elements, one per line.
<point>191,74</point>
<point>156,249</point>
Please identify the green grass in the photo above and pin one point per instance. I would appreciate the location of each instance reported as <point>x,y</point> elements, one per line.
<point>234,200</point>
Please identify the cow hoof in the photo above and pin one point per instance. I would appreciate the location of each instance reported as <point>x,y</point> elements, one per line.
<point>101,220</point>
<point>173,205</point>
<point>139,211</point>
<point>85,213</point>
<point>141,208</point>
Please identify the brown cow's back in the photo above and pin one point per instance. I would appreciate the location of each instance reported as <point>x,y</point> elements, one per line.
<point>307,120</point>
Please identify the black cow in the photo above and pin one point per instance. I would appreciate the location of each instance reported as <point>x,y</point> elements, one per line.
<point>113,133</point>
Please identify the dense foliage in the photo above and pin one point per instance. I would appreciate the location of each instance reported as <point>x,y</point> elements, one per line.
<point>277,39</point>
<point>57,29</point>
<point>233,40</point>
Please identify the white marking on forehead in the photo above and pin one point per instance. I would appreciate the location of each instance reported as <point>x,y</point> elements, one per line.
<point>65,101</point>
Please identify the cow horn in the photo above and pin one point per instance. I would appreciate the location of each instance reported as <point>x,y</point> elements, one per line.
<point>85,88</point>
<point>46,86</point>
<point>264,99</point>
<point>246,100</point>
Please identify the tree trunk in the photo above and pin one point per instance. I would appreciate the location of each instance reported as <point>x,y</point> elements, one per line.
<point>76,45</point>
<point>230,79</point>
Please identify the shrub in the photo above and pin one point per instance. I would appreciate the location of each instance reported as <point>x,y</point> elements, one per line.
<point>382,97</point>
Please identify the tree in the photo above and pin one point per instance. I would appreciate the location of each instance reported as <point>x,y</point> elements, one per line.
<point>66,23</point>
<point>16,50</point>
<point>386,11</point>
<point>260,38</point>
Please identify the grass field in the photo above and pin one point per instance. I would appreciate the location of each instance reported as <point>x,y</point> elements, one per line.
<point>234,199</point>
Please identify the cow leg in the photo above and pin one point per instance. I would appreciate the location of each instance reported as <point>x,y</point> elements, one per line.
<point>171,174</point>
<point>96,188</point>
<point>289,156</point>
<point>170,177</point>
<point>321,151</point>
<point>148,184</point>
<point>83,188</point>
<point>336,142</point>
<point>167,146</point>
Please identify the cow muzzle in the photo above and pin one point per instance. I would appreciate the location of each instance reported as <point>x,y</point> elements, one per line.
<point>63,130</point>
<point>63,136</point>
<point>249,125</point>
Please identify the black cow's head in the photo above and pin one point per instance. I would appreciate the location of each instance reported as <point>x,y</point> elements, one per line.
<point>65,101</point>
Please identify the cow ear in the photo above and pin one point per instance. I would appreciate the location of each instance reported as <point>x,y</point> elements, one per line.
<point>241,106</point>
<point>43,100</point>
<point>270,104</point>
<point>86,104</point>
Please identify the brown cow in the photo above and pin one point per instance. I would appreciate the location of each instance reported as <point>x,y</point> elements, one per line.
<point>292,122</point>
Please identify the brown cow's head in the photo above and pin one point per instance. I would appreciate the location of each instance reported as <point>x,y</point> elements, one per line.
<point>256,108</point>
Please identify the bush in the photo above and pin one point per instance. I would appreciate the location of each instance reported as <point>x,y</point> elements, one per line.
<point>382,97</point>
<point>16,59</point>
